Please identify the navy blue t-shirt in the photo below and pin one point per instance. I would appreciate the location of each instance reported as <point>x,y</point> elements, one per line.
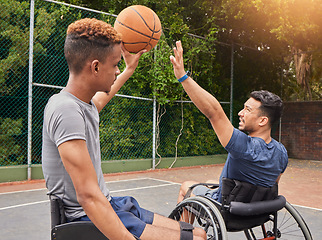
<point>251,159</point>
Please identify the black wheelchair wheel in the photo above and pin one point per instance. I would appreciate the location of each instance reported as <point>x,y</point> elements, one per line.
<point>200,212</point>
<point>290,225</point>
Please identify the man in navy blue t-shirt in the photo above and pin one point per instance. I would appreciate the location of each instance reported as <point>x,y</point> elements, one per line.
<point>255,158</point>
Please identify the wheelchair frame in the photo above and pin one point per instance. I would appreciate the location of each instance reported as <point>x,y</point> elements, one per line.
<point>280,222</point>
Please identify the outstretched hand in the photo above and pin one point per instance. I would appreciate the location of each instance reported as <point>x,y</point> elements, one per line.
<point>177,60</point>
<point>131,60</point>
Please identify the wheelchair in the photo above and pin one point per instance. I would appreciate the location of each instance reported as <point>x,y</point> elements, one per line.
<point>257,211</point>
<point>78,230</point>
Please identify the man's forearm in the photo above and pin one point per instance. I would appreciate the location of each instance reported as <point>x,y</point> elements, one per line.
<point>211,108</point>
<point>203,100</point>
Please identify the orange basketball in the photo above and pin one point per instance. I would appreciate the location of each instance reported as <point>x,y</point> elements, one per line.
<point>140,28</point>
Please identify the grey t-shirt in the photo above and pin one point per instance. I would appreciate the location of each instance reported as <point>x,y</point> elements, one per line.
<point>68,118</point>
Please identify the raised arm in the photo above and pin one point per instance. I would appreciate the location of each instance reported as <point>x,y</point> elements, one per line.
<point>79,166</point>
<point>203,100</point>
<point>100,99</point>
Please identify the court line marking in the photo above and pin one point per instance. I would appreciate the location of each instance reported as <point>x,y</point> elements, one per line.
<point>123,180</point>
<point>23,205</point>
<point>45,201</point>
<point>22,191</point>
<point>115,191</point>
<point>140,188</point>
<point>311,208</point>
<point>122,190</point>
<point>128,180</point>
<point>161,180</point>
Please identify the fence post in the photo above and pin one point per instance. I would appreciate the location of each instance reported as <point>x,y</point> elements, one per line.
<point>154,116</point>
<point>31,43</point>
<point>231,82</point>
<point>154,135</point>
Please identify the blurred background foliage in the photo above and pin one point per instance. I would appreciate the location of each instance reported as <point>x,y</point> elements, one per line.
<point>277,46</point>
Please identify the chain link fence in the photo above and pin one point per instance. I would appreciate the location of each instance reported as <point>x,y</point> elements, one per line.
<point>126,127</point>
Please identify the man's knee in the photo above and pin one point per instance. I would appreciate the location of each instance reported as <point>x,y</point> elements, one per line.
<point>186,185</point>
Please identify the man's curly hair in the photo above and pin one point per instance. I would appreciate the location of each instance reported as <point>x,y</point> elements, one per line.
<point>88,39</point>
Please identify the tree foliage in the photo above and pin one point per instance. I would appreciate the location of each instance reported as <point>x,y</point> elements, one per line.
<point>14,35</point>
<point>276,46</point>
<point>10,151</point>
<point>288,31</point>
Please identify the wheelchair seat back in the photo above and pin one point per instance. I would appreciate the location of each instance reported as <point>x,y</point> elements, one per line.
<point>245,205</point>
<point>57,213</point>
<point>63,230</point>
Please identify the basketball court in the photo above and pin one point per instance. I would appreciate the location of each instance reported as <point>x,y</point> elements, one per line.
<point>25,213</point>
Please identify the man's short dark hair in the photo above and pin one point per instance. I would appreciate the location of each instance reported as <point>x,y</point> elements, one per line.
<point>88,39</point>
<point>271,104</point>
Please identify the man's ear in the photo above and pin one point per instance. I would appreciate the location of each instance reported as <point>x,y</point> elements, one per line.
<point>263,121</point>
<point>95,66</point>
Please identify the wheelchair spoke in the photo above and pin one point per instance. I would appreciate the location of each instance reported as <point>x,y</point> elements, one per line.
<point>199,215</point>
<point>290,226</point>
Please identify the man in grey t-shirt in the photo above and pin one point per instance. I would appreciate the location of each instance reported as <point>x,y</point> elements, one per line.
<point>68,118</point>
<point>71,150</point>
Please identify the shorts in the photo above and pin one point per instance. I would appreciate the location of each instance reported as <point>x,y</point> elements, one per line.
<point>130,213</point>
<point>202,190</point>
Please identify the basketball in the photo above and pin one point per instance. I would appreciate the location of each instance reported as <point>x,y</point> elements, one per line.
<point>140,28</point>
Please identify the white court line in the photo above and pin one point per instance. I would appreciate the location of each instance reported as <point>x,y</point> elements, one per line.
<point>123,190</point>
<point>146,178</point>
<point>22,191</point>
<point>311,208</point>
<point>116,191</point>
<point>161,180</point>
<point>45,201</point>
<point>40,189</point>
<point>124,180</point>
<point>128,180</point>
<point>23,205</point>
<point>140,188</point>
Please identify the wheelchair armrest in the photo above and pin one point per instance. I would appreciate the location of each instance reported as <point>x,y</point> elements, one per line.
<point>257,208</point>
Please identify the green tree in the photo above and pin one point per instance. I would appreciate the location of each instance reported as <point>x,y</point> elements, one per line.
<point>298,22</point>
<point>10,150</point>
<point>14,59</point>
<point>288,31</point>
<point>14,37</point>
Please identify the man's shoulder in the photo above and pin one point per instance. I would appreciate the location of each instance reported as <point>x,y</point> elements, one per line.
<point>61,102</point>
<point>239,140</point>
<point>238,135</point>
<point>280,146</point>
<point>62,98</point>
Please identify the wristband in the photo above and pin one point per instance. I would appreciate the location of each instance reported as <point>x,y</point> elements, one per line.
<point>184,77</point>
